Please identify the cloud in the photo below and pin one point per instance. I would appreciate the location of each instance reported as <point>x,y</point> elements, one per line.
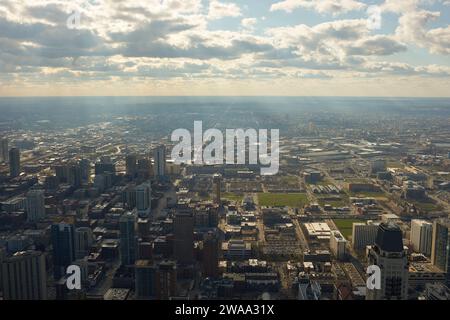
<point>378,45</point>
<point>334,7</point>
<point>249,23</point>
<point>219,10</point>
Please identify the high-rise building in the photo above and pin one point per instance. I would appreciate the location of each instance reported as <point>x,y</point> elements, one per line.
<point>210,255</point>
<point>389,254</point>
<point>85,166</point>
<point>131,165</point>
<point>338,245</point>
<point>217,181</point>
<point>84,239</point>
<point>24,276</point>
<point>14,162</point>
<point>63,242</point>
<point>35,205</point>
<point>166,280</point>
<point>364,234</point>
<point>4,150</point>
<point>144,199</point>
<point>159,157</point>
<point>421,236</point>
<point>145,274</point>
<point>128,239</point>
<point>183,227</point>
<point>144,168</point>
<point>75,175</point>
<point>440,248</point>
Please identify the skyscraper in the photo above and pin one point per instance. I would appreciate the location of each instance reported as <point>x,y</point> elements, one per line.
<point>14,162</point>
<point>35,205</point>
<point>440,248</point>
<point>24,276</point>
<point>217,180</point>
<point>85,166</point>
<point>210,255</point>
<point>144,199</point>
<point>166,280</point>
<point>4,150</point>
<point>63,243</point>
<point>183,227</point>
<point>159,156</point>
<point>83,241</point>
<point>389,254</point>
<point>421,236</point>
<point>128,239</point>
<point>131,165</point>
<point>145,274</point>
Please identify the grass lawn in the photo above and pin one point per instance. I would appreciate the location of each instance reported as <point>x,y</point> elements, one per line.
<point>426,206</point>
<point>345,226</point>
<point>232,196</point>
<point>294,200</point>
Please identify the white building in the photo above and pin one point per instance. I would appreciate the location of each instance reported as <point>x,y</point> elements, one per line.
<point>144,199</point>
<point>421,236</point>
<point>338,245</point>
<point>364,234</point>
<point>35,205</point>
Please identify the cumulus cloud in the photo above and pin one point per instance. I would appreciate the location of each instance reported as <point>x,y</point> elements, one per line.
<point>179,39</point>
<point>218,10</point>
<point>322,6</point>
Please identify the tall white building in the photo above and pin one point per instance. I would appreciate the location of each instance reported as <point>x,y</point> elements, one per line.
<point>421,236</point>
<point>338,245</point>
<point>35,205</point>
<point>389,254</point>
<point>159,156</point>
<point>84,239</point>
<point>364,234</point>
<point>144,199</point>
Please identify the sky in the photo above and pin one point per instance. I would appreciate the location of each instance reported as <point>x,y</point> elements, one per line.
<point>225,48</point>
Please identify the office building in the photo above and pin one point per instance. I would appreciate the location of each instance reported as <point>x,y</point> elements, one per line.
<point>217,181</point>
<point>338,245</point>
<point>63,242</point>
<point>128,241</point>
<point>35,205</point>
<point>4,150</point>
<point>85,166</point>
<point>210,255</point>
<point>421,236</point>
<point>144,199</point>
<point>145,274</point>
<point>14,162</point>
<point>440,248</point>
<point>166,280</point>
<point>389,254</point>
<point>84,240</point>
<point>131,165</point>
<point>364,234</point>
<point>183,227</point>
<point>24,276</point>
<point>159,157</point>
